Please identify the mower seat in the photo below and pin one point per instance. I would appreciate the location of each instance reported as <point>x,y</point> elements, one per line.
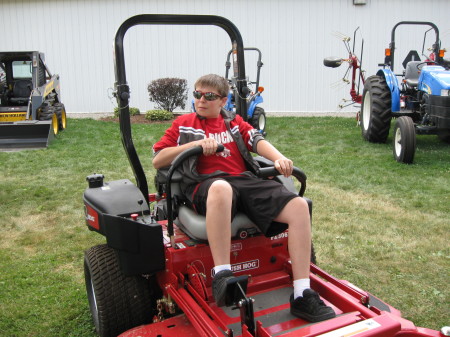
<point>21,92</point>
<point>412,73</point>
<point>193,224</point>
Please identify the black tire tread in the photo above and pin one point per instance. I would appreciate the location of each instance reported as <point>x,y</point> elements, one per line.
<point>123,302</point>
<point>380,116</point>
<point>408,135</point>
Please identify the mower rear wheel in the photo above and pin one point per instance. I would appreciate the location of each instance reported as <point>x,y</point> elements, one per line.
<point>258,120</point>
<point>117,302</point>
<point>375,117</point>
<point>404,140</point>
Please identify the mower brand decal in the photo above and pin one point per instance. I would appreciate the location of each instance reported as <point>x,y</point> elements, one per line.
<point>253,264</point>
<point>91,217</point>
<point>354,329</point>
<point>236,246</point>
<point>279,236</point>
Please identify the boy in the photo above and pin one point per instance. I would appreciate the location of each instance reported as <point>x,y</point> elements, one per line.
<point>220,184</point>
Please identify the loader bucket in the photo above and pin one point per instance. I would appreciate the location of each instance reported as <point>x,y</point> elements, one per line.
<point>26,134</point>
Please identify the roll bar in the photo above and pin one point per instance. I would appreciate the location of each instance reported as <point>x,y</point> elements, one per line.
<point>259,64</point>
<point>122,90</point>
<point>435,45</point>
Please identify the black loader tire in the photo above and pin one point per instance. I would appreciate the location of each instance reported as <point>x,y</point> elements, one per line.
<point>404,140</point>
<point>46,112</point>
<point>60,111</point>
<point>258,120</point>
<point>375,115</point>
<point>117,302</point>
<point>444,136</point>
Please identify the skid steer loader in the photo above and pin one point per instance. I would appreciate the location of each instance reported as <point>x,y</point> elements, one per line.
<point>31,112</point>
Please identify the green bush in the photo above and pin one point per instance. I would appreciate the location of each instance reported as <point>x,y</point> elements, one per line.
<point>158,115</point>
<point>133,111</point>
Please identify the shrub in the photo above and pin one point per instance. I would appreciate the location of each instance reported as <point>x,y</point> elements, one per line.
<point>133,111</point>
<point>168,93</point>
<point>158,115</point>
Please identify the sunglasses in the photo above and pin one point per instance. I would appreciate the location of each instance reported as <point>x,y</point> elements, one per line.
<point>209,96</point>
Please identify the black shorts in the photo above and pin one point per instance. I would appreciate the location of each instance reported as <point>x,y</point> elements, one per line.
<point>261,200</point>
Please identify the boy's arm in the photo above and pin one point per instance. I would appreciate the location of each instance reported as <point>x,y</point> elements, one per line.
<point>281,163</point>
<point>165,157</point>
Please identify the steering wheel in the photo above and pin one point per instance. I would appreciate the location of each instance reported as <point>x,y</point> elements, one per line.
<point>422,64</point>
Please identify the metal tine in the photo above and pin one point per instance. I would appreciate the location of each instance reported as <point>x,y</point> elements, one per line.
<point>341,36</point>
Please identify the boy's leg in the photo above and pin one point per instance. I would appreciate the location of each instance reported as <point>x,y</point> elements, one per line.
<point>296,215</point>
<point>218,221</point>
<point>305,302</point>
<point>218,229</point>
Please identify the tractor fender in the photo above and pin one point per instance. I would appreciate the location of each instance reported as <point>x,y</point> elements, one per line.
<point>253,103</point>
<point>392,83</point>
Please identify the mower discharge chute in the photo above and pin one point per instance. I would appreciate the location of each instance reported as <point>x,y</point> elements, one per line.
<point>31,112</point>
<point>153,276</point>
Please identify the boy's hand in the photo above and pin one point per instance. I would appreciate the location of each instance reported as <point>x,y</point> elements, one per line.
<point>284,166</point>
<point>209,146</point>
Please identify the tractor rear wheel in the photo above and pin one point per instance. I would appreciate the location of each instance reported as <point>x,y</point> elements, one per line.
<point>258,120</point>
<point>117,302</point>
<point>375,118</point>
<point>404,140</point>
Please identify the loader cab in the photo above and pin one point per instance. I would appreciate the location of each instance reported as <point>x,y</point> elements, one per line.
<point>21,72</point>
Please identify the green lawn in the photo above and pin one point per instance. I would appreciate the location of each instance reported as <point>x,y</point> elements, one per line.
<point>381,225</point>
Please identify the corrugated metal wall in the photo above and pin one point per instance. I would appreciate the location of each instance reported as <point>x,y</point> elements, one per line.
<point>293,35</point>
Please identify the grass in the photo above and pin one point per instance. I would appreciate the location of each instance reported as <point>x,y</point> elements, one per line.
<point>381,225</point>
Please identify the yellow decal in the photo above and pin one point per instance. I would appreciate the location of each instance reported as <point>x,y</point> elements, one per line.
<point>427,88</point>
<point>13,116</point>
<point>48,88</point>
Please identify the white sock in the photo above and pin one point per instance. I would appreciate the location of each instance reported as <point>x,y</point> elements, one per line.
<point>221,267</point>
<point>300,285</point>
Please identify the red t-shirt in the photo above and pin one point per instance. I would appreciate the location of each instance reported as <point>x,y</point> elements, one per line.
<point>189,127</point>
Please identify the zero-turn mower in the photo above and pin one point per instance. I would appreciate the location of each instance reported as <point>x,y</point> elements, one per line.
<point>153,275</point>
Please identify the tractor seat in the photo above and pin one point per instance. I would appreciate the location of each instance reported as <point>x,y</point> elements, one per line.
<point>412,73</point>
<point>21,92</point>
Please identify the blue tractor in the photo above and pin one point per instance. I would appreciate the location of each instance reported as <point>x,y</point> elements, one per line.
<point>419,98</point>
<point>255,114</point>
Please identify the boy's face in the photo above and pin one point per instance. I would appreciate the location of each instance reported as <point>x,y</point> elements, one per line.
<point>209,109</point>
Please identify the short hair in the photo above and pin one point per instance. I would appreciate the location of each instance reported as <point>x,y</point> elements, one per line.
<point>214,81</point>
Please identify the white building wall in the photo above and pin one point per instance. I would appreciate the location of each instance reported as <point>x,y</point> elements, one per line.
<point>293,35</point>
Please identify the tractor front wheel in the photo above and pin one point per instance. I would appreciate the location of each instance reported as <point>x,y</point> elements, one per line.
<point>375,118</point>
<point>117,302</point>
<point>404,140</point>
<point>258,120</point>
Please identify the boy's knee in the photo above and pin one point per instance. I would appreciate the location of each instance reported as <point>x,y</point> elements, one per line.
<point>220,189</point>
